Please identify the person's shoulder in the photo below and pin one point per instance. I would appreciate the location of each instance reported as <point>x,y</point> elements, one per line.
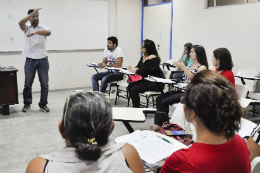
<point>179,160</point>
<point>237,138</point>
<point>118,49</point>
<point>228,72</point>
<point>152,57</point>
<point>201,68</point>
<point>184,57</point>
<point>128,149</point>
<point>181,155</point>
<point>239,143</point>
<point>36,165</point>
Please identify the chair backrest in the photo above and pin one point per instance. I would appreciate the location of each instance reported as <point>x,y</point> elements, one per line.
<point>242,90</point>
<point>248,72</point>
<point>174,69</point>
<point>179,118</point>
<point>166,73</point>
<point>170,61</point>
<point>255,165</point>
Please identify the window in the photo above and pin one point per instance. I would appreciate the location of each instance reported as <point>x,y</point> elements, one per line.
<point>167,1</point>
<point>215,3</point>
<point>155,2</point>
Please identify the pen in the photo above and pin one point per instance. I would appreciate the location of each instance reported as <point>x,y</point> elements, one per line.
<point>163,139</point>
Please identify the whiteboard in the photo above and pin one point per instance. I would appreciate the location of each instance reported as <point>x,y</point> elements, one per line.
<point>74,24</point>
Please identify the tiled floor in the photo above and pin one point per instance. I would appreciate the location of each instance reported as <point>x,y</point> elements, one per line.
<point>24,136</point>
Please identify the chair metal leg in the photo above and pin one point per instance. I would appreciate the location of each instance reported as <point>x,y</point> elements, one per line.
<point>128,126</point>
<point>128,97</point>
<point>117,93</point>
<point>147,101</point>
<point>253,110</point>
<point>153,101</point>
<point>109,90</point>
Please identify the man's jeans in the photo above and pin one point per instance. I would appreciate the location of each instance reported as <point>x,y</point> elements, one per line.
<point>105,78</point>
<point>30,68</point>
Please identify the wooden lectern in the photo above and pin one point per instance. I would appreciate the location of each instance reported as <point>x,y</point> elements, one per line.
<point>8,88</point>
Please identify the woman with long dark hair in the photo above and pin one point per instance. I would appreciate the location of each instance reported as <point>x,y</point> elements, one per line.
<point>198,55</point>
<point>223,64</point>
<point>212,105</point>
<point>185,58</point>
<point>149,64</point>
<point>85,126</point>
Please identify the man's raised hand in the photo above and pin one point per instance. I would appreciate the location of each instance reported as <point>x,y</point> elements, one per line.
<point>36,11</point>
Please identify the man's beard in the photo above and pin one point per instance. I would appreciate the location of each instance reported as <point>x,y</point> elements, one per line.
<point>35,23</point>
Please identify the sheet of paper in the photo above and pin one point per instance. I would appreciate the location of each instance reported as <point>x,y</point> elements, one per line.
<point>150,148</point>
<point>93,64</point>
<point>245,130</point>
<point>162,80</point>
<point>114,68</point>
<point>133,137</point>
<point>126,71</point>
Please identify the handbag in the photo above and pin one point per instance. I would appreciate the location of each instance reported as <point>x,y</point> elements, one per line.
<point>134,78</point>
<point>186,140</point>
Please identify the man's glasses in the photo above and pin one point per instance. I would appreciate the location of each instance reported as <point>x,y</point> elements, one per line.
<point>106,96</point>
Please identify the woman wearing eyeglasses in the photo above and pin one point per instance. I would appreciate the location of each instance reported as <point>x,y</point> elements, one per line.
<point>86,126</point>
<point>149,64</point>
<point>223,64</point>
<point>198,55</point>
<point>212,106</point>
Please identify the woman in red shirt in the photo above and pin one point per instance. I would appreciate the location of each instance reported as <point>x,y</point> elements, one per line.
<point>223,64</point>
<point>212,106</point>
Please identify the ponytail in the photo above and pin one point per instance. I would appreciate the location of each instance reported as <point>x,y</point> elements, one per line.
<point>87,150</point>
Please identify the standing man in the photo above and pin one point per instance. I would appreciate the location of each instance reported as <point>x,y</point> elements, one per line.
<point>113,56</point>
<point>35,52</point>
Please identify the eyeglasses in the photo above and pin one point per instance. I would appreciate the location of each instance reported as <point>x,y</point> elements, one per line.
<point>106,96</point>
<point>142,47</point>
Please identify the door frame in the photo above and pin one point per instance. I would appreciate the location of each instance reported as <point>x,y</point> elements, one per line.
<point>142,25</point>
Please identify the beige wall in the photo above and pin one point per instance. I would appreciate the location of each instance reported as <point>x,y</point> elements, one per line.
<point>68,68</point>
<point>129,29</point>
<point>235,27</point>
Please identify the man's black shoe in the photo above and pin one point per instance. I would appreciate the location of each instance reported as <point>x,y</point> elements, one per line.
<point>44,108</point>
<point>26,108</point>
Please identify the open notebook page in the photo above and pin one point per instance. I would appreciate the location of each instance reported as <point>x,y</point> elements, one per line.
<point>150,148</point>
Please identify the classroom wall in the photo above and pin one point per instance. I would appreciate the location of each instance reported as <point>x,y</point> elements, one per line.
<point>129,29</point>
<point>235,27</point>
<point>68,68</point>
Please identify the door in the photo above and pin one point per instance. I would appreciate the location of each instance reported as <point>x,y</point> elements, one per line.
<point>157,26</point>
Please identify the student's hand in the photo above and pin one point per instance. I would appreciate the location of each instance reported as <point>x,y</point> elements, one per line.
<point>179,64</point>
<point>101,65</point>
<point>134,70</point>
<point>174,89</point>
<point>30,34</point>
<point>36,11</point>
<point>129,68</point>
